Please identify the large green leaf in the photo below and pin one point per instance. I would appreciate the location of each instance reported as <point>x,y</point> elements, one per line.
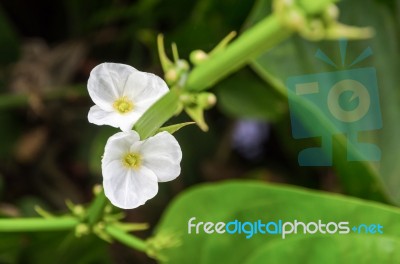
<point>330,250</point>
<point>252,201</point>
<point>296,57</point>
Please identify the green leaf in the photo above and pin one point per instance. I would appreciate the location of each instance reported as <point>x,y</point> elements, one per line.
<point>330,250</point>
<point>253,201</point>
<point>173,128</point>
<point>157,114</point>
<point>296,57</point>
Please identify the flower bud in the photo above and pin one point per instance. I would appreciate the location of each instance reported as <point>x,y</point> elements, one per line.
<point>206,100</point>
<point>182,65</point>
<point>81,230</point>
<point>332,12</point>
<point>97,189</point>
<point>198,56</point>
<point>171,76</point>
<point>295,18</point>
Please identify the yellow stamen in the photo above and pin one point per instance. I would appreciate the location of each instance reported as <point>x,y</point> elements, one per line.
<point>132,160</point>
<point>123,105</point>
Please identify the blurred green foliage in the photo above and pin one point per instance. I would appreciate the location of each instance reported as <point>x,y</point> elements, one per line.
<point>362,179</point>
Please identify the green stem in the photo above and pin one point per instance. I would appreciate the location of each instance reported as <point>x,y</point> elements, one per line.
<point>256,40</point>
<point>158,114</point>
<point>313,7</point>
<point>126,238</point>
<point>252,43</point>
<point>37,224</point>
<point>96,209</point>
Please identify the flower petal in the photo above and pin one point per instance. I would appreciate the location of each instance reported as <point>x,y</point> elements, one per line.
<point>99,116</point>
<point>144,89</point>
<point>106,83</point>
<point>128,120</point>
<point>128,188</point>
<point>162,154</point>
<point>125,122</point>
<point>118,145</point>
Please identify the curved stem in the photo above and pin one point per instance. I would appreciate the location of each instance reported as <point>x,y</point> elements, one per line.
<point>253,42</point>
<point>37,224</point>
<point>96,209</point>
<point>256,40</point>
<point>125,238</point>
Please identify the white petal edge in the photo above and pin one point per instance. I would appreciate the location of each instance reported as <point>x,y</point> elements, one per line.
<point>128,188</point>
<point>125,122</point>
<point>106,83</point>
<point>142,87</point>
<point>98,116</point>
<point>162,155</point>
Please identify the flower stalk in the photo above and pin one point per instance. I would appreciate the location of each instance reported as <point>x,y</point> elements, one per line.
<point>258,39</point>
<point>37,224</point>
<point>96,209</point>
<point>126,239</point>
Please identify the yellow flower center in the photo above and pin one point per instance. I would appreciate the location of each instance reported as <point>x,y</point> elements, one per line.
<point>123,105</point>
<point>132,160</point>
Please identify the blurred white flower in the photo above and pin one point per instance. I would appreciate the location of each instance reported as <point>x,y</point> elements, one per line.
<point>122,94</point>
<point>132,168</point>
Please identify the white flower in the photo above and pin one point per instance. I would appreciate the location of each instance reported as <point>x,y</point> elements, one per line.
<point>122,94</point>
<point>132,168</point>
